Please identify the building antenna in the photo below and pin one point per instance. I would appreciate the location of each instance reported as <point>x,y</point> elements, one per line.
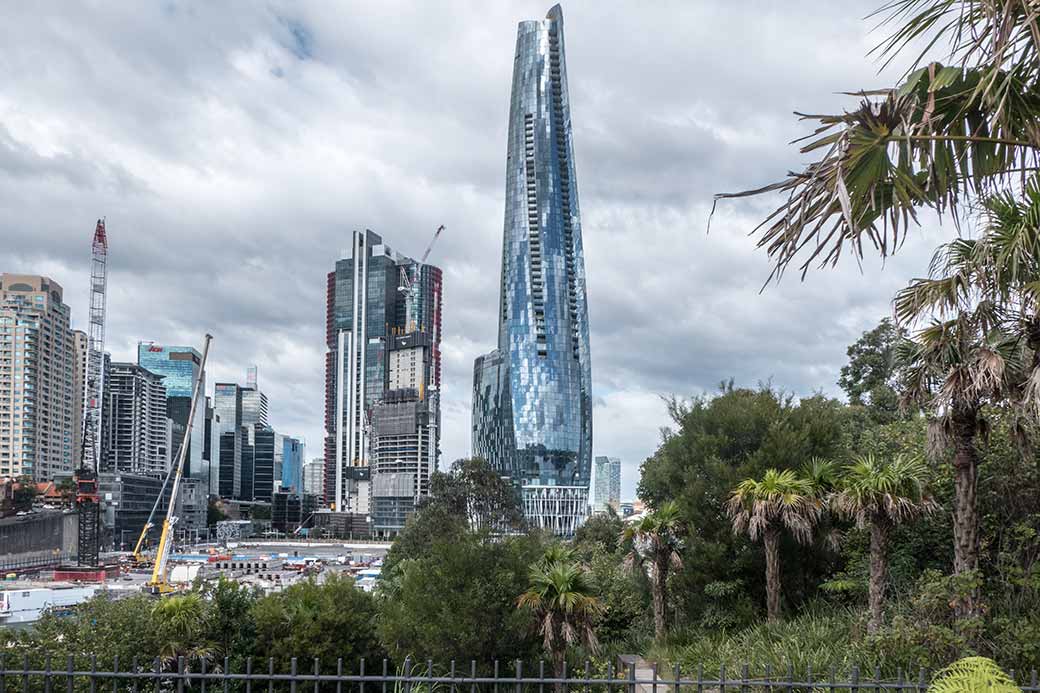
<point>93,389</point>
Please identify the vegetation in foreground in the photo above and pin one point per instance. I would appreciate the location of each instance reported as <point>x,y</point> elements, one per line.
<point>899,530</point>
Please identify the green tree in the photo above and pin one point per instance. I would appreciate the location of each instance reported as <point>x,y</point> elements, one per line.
<point>603,529</point>
<point>871,378</point>
<point>229,618</point>
<point>180,628</point>
<point>655,541</point>
<point>880,493</point>
<point>457,600</point>
<point>764,508</point>
<point>565,609</point>
<point>24,494</point>
<point>716,442</point>
<point>214,512</point>
<point>326,621</point>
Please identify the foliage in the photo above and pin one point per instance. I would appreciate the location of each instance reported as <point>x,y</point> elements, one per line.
<point>179,622</point>
<point>214,513</point>
<point>24,494</point>
<point>325,621</point>
<point>603,529</point>
<point>719,441</point>
<point>457,600</point>
<point>973,675</point>
<point>655,539</point>
<point>561,602</point>
<point>872,376</point>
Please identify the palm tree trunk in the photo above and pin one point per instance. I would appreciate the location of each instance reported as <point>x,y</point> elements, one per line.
<point>559,657</point>
<point>771,539</point>
<point>965,517</point>
<point>878,571</point>
<point>659,594</point>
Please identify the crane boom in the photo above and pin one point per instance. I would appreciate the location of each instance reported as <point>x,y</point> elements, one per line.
<point>436,235</point>
<point>158,583</point>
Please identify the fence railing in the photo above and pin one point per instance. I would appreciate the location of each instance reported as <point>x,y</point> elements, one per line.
<point>25,675</point>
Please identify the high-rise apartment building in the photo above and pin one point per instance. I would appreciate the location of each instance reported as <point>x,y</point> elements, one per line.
<point>179,366</point>
<point>314,477</point>
<point>80,346</point>
<point>373,297</point>
<point>136,430</point>
<point>37,365</point>
<point>532,397</point>
<point>606,483</point>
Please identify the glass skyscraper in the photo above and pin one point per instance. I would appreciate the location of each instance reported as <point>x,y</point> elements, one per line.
<point>532,404</point>
<point>606,484</point>
<point>179,366</point>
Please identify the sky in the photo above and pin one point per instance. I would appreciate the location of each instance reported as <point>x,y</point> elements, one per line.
<point>234,147</point>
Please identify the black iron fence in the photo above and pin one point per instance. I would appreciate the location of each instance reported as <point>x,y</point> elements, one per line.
<point>188,675</point>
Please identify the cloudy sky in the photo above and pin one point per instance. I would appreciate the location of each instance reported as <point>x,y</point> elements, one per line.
<point>233,148</point>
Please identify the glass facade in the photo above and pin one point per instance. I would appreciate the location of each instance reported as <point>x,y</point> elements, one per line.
<point>606,484</point>
<point>179,366</point>
<point>292,464</point>
<point>378,303</point>
<point>532,401</point>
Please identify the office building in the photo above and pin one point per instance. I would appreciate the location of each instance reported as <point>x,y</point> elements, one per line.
<point>291,510</point>
<point>136,431</point>
<point>373,297</point>
<point>606,484</point>
<point>314,477</point>
<point>37,370</point>
<point>291,475</point>
<point>532,397</point>
<point>227,411</point>
<point>126,501</point>
<point>180,366</point>
<point>262,448</point>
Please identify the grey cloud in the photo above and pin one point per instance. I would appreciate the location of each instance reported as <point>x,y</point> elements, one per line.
<point>233,149</point>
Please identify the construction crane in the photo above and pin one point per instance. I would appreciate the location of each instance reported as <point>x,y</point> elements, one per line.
<point>138,557</point>
<point>158,583</point>
<point>409,286</point>
<point>87,501</point>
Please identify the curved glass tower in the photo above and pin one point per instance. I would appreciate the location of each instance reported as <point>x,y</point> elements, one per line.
<point>532,405</point>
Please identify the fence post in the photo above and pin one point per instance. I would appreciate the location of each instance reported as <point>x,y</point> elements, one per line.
<point>317,675</point>
<point>920,680</point>
<point>496,676</point>
<point>743,678</point>
<point>270,675</point>
<point>519,675</point>
<point>631,677</point>
<point>292,672</point>
<point>47,675</point>
<point>249,675</point>
<point>408,675</point>
<point>25,673</point>
<point>854,680</point>
<point>202,668</point>
<point>722,678</point>
<point>541,676</point>
<point>180,675</point>
<point>93,673</point>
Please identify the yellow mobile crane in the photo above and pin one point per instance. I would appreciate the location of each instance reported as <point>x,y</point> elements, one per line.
<point>137,556</point>
<point>158,584</point>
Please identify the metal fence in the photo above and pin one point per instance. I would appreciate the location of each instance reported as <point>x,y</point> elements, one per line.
<point>25,675</point>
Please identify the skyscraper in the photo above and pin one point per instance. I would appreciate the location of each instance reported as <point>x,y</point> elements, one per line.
<point>532,403</point>
<point>136,430</point>
<point>606,483</point>
<point>37,364</point>
<point>374,297</point>
<point>179,366</point>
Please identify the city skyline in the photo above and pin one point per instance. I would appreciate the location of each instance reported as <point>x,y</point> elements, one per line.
<point>201,242</point>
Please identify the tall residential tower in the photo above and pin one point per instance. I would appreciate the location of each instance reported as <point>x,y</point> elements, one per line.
<point>532,403</point>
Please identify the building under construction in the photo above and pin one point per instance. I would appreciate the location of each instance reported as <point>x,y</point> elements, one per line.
<point>383,333</point>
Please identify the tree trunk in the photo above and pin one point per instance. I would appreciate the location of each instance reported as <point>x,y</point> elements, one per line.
<point>659,593</point>
<point>559,657</point>
<point>878,571</point>
<point>965,517</point>
<point>771,540</point>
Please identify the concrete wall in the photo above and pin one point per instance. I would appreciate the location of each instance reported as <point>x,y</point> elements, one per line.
<point>37,539</point>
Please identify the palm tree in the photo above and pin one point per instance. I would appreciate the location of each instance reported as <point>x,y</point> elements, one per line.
<point>942,138</point>
<point>561,598</point>
<point>655,541</point>
<point>880,494</point>
<point>180,624</point>
<point>981,346</point>
<point>781,500</point>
